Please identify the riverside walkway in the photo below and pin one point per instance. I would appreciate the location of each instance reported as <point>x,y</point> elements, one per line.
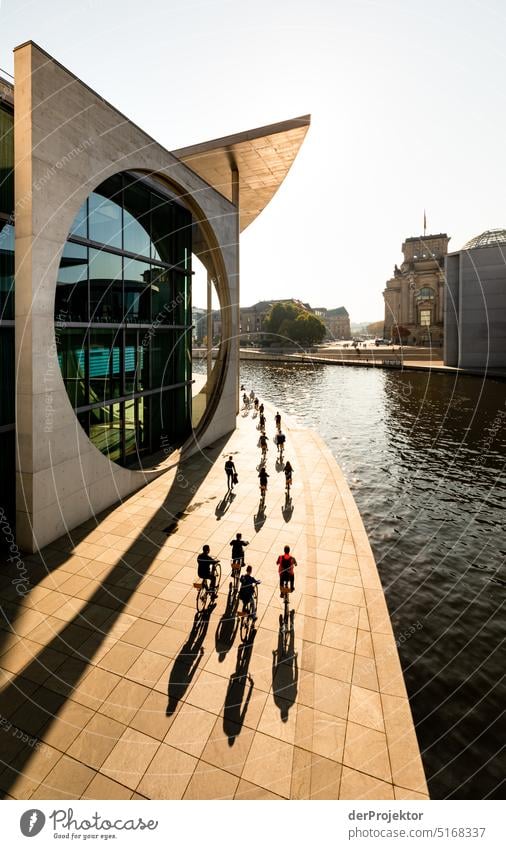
<point>112,688</point>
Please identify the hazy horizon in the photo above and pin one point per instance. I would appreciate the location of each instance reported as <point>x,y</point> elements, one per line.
<point>404,118</point>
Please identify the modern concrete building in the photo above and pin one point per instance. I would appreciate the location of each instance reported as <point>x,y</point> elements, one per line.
<point>414,296</point>
<point>99,222</point>
<point>475,303</point>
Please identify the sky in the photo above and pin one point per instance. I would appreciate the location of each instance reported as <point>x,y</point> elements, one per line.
<point>407,109</point>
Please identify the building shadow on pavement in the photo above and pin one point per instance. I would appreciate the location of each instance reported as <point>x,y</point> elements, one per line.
<point>41,676</point>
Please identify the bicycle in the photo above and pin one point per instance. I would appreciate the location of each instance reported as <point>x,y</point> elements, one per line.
<point>286,619</point>
<point>205,593</point>
<point>248,616</point>
<point>235,573</point>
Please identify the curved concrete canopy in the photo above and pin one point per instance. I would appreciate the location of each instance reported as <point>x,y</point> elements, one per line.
<point>262,158</point>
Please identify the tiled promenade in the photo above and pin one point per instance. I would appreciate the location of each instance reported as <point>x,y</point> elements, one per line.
<point>111,688</point>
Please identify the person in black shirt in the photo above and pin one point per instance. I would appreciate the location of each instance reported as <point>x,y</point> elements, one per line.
<point>247,591</point>
<point>230,472</point>
<point>263,480</point>
<point>277,419</point>
<point>205,568</point>
<point>238,545</point>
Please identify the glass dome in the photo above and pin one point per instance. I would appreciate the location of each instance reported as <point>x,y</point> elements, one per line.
<point>487,239</point>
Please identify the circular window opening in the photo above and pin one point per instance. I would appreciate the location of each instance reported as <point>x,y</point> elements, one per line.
<point>123,321</point>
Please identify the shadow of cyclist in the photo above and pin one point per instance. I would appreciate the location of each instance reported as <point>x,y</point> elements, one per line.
<point>260,517</point>
<point>287,508</point>
<point>285,671</point>
<point>186,663</point>
<point>239,692</point>
<point>227,626</point>
<point>223,505</point>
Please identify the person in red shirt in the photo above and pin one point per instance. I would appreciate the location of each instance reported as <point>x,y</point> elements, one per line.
<point>286,564</point>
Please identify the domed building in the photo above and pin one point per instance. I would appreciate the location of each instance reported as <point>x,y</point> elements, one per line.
<point>475,303</point>
<point>414,295</point>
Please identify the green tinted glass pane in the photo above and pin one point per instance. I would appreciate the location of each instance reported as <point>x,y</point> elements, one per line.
<point>106,429</point>
<point>161,350</point>
<point>6,271</point>
<point>137,288</point>
<point>80,225</point>
<point>105,365</point>
<point>71,302</point>
<point>71,346</point>
<point>105,213</point>
<point>6,161</point>
<point>106,287</point>
<point>7,414</point>
<point>162,228</point>
<point>8,483</point>
<point>136,223</point>
<point>130,429</point>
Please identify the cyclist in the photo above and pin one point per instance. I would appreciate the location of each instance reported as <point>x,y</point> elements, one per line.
<point>262,422</point>
<point>288,474</point>
<point>247,591</point>
<point>245,401</point>
<point>231,472</point>
<point>238,545</point>
<point>263,481</point>
<point>206,568</point>
<point>252,395</point>
<point>277,419</point>
<point>263,444</point>
<point>261,409</point>
<point>280,442</point>
<point>256,403</point>
<point>286,564</point>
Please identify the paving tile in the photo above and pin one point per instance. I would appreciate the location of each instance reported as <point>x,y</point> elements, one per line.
<point>96,741</point>
<point>402,793</point>
<point>364,673</point>
<point>151,717</point>
<point>159,610</point>
<point>120,658</point>
<point>94,688</point>
<point>339,636</point>
<point>102,787</point>
<point>61,730</point>
<point>148,668</point>
<point>124,701</point>
<point>191,729</point>
<point>269,765</point>
<point>407,769</point>
<point>207,692</point>
<point>334,663</point>
<point>320,733</point>
<point>366,751</point>
<point>228,746</point>
<point>366,708</point>
<point>208,782</point>
<point>327,695</point>
<point>359,785</point>
<point>325,778</point>
<point>141,633</point>
<point>168,774</point>
<point>130,758</point>
<point>246,791</point>
<point>24,776</point>
<point>67,780</point>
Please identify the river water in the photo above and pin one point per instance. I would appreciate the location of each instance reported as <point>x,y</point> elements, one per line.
<point>424,455</point>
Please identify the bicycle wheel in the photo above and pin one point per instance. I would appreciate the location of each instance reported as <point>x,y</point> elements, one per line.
<point>245,624</point>
<point>217,572</point>
<point>201,598</point>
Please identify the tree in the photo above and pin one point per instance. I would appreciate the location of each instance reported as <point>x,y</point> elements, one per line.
<point>289,321</point>
<point>399,333</point>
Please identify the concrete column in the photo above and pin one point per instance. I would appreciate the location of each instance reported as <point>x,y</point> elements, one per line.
<point>236,202</point>
<point>209,327</point>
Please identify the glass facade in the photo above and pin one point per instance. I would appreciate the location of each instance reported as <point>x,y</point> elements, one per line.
<point>7,405</point>
<point>123,319</point>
